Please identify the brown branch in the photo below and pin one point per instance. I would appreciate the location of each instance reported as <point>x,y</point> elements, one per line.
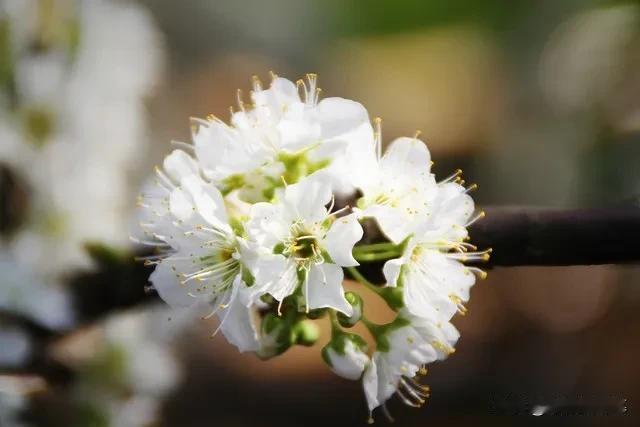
<point>542,236</point>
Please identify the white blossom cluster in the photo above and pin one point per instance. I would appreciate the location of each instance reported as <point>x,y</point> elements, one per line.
<point>244,221</point>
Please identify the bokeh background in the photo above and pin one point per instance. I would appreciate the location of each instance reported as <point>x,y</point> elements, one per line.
<point>538,102</point>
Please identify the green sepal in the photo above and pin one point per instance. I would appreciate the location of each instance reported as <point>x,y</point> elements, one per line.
<point>237,226</point>
<point>393,296</point>
<point>356,302</point>
<point>247,277</point>
<point>380,332</point>
<point>279,331</point>
<point>338,344</point>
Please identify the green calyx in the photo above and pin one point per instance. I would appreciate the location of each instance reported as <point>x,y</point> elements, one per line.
<point>280,332</point>
<point>276,333</point>
<point>394,297</point>
<point>356,302</point>
<point>338,344</point>
<point>380,332</point>
<point>298,165</point>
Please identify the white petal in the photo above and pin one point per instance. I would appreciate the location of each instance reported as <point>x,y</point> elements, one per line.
<point>276,275</point>
<point>370,385</point>
<point>222,153</point>
<point>339,241</point>
<point>179,164</point>
<point>407,156</point>
<point>360,162</point>
<point>166,283</point>
<point>239,327</point>
<point>278,97</point>
<point>391,271</point>
<point>208,201</point>
<point>324,288</point>
<point>266,225</point>
<point>387,377</point>
<point>452,208</point>
<point>180,204</point>
<point>349,365</point>
<point>308,198</point>
<point>422,300</point>
<point>339,116</point>
<point>392,223</point>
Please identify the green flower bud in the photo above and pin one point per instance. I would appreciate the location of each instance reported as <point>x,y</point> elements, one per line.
<point>306,333</point>
<point>276,336</point>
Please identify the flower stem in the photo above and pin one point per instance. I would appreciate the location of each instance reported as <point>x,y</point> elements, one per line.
<point>375,247</point>
<point>377,256</point>
<point>335,325</point>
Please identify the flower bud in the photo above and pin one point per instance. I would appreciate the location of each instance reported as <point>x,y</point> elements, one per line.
<point>356,302</point>
<point>306,333</point>
<point>346,355</point>
<point>276,336</point>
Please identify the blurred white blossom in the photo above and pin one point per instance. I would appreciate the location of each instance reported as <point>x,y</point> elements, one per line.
<point>73,124</point>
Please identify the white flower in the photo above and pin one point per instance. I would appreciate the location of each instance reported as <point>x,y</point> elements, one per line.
<point>202,259</point>
<point>64,143</point>
<point>297,234</point>
<point>279,134</point>
<point>23,292</point>
<point>346,356</point>
<point>404,347</point>
<point>435,281</point>
<point>398,187</point>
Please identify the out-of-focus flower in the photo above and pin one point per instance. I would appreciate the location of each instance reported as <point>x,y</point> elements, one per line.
<point>69,78</point>
<point>40,301</point>
<point>13,398</point>
<point>149,368</point>
<point>11,407</point>
<point>124,368</point>
<point>15,346</point>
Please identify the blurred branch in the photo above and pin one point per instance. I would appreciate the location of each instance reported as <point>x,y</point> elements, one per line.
<point>542,236</point>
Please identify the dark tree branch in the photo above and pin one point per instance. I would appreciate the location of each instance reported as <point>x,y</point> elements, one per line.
<point>541,236</point>
<point>518,236</point>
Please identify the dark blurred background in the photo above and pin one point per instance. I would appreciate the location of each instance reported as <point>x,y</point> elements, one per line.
<point>538,102</point>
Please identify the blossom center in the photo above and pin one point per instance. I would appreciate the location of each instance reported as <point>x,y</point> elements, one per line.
<point>303,246</point>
